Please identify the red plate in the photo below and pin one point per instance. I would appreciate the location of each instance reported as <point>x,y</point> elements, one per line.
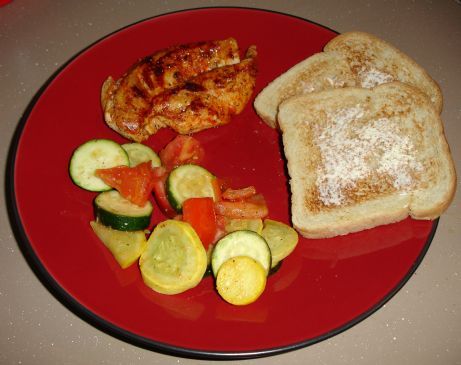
<point>323,288</point>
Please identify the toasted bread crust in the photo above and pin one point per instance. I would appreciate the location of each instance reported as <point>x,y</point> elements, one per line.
<point>359,158</point>
<point>321,71</point>
<point>351,59</point>
<point>366,50</point>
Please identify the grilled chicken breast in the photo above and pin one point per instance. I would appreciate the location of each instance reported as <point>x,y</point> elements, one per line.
<point>129,102</point>
<point>207,100</point>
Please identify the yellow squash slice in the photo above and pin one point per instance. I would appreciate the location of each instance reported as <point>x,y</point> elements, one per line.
<point>255,225</point>
<point>125,246</point>
<point>281,238</point>
<point>174,259</point>
<point>241,280</point>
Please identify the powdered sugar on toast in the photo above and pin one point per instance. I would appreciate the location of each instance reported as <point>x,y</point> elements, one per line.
<point>353,149</point>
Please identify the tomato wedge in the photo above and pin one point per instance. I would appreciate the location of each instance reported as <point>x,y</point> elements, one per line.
<point>220,227</point>
<point>200,214</point>
<point>251,208</point>
<point>133,183</point>
<point>239,194</point>
<point>159,190</point>
<point>182,150</point>
<point>217,189</point>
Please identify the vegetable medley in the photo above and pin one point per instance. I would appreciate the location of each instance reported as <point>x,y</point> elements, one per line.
<point>208,224</point>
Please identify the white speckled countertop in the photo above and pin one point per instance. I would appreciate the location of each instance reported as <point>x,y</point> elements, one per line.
<point>420,325</point>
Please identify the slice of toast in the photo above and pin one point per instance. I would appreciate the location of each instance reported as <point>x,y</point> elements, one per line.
<point>374,61</point>
<point>359,158</point>
<point>319,72</point>
<point>351,59</point>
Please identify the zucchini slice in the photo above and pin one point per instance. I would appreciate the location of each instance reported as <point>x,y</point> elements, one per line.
<point>241,280</point>
<point>241,243</point>
<point>114,211</point>
<point>174,260</point>
<point>92,155</point>
<point>189,181</point>
<point>126,247</point>
<point>138,153</point>
<point>281,238</point>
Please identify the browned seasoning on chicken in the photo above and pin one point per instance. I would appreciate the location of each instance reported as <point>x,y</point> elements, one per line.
<point>187,88</point>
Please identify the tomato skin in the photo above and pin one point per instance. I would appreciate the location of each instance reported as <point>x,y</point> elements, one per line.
<point>217,189</point>
<point>251,208</point>
<point>239,194</point>
<point>159,191</point>
<point>221,227</point>
<point>133,183</point>
<point>224,183</point>
<point>182,150</point>
<point>200,214</point>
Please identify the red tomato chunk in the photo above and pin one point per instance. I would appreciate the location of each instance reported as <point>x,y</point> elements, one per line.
<point>182,150</point>
<point>133,183</point>
<point>200,214</point>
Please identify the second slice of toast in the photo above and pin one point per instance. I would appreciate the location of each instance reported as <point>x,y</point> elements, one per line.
<point>351,59</point>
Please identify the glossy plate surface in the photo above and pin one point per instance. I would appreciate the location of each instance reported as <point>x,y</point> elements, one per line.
<point>323,288</point>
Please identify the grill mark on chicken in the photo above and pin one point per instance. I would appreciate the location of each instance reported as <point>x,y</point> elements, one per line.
<point>139,92</point>
<point>191,86</point>
<point>152,92</point>
<point>207,100</point>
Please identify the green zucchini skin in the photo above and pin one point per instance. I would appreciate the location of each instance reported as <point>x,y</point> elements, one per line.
<point>138,153</point>
<point>275,268</point>
<point>188,181</point>
<point>92,155</point>
<point>241,243</point>
<point>112,210</point>
<point>125,246</point>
